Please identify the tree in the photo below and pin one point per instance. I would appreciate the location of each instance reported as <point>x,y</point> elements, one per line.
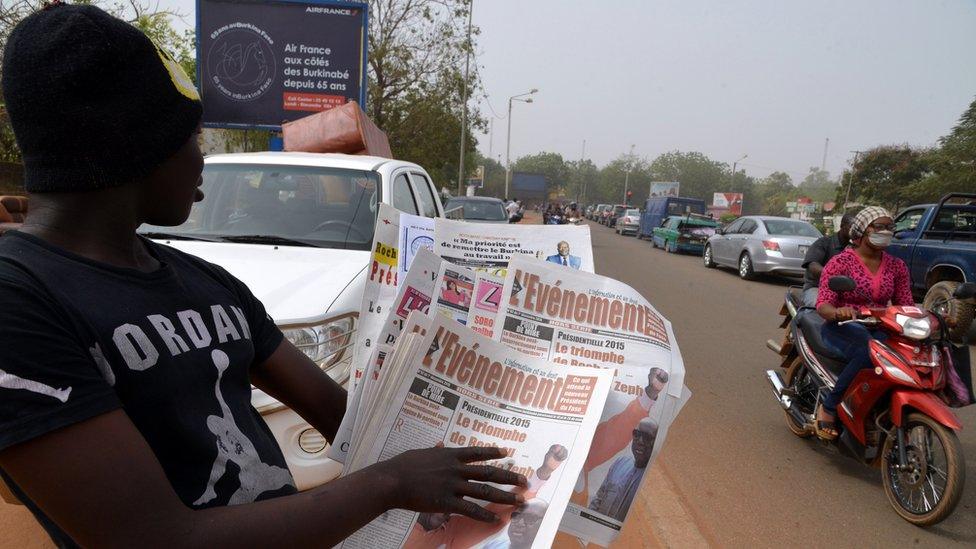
<point>774,191</point>
<point>953,163</point>
<point>416,53</point>
<point>699,175</point>
<point>547,163</point>
<point>884,174</point>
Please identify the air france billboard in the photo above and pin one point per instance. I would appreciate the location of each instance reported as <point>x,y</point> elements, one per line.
<point>262,63</point>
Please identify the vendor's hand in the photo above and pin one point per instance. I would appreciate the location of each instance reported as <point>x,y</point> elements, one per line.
<point>845,313</point>
<point>436,480</point>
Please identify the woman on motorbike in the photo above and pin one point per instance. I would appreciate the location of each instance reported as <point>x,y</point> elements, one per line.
<point>881,279</point>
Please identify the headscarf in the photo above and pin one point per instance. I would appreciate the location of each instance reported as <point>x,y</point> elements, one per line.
<point>866,217</point>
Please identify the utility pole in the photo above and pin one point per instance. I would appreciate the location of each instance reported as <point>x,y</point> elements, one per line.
<point>581,196</point>
<point>743,157</point>
<point>464,102</point>
<point>823,163</point>
<point>508,140</point>
<point>850,180</point>
<point>630,166</point>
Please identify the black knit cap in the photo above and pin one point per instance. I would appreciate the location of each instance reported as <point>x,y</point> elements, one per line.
<point>92,101</point>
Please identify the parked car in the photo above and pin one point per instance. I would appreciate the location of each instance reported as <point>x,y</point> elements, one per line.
<point>297,228</point>
<point>479,209</point>
<point>659,208</point>
<point>605,213</point>
<point>761,244</point>
<point>598,211</point>
<point>684,233</point>
<point>628,222</point>
<point>614,213</point>
<point>938,243</point>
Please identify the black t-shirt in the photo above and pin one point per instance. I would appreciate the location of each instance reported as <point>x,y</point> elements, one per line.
<point>820,252</point>
<point>173,348</point>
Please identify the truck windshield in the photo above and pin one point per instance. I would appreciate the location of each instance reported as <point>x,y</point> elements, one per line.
<point>324,207</point>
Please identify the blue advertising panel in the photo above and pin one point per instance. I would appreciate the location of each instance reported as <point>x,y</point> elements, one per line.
<point>528,182</point>
<point>261,63</point>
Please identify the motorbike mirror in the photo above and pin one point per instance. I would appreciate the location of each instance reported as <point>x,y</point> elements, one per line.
<point>840,284</point>
<point>965,291</point>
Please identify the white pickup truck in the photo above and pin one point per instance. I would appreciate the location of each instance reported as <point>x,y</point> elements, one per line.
<point>297,229</point>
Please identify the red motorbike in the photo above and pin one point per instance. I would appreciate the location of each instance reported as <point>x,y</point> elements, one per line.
<point>893,415</point>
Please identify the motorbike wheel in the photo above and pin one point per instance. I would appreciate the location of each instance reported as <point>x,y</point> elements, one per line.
<point>909,491</point>
<point>805,391</point>
<point>707,258</point>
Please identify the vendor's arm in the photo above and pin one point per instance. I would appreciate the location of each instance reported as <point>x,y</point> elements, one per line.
<point>291,377</point>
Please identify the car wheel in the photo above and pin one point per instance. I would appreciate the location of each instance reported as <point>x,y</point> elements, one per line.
<point>707,258</point>
<point>745,267</point>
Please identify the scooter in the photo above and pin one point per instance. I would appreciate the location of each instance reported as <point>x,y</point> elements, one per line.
<point>892,416</point>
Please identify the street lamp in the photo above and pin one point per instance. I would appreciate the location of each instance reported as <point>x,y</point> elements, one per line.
<point>508,140</point>
<point>743,157</point>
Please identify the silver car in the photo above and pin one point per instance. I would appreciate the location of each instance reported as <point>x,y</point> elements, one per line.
<point>761,244</point>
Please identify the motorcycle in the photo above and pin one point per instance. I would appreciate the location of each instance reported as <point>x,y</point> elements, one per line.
<point>892,415</point>
<point>555,219</point>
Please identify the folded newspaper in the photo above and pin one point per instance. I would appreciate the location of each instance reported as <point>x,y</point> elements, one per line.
<point>532,291</point>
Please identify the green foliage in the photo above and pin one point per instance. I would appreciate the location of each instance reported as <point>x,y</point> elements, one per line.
<point>725,219</point>
<point>417,51</point>
<point>884,175</point>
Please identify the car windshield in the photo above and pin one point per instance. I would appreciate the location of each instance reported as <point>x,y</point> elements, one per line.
<point>323,207</point>
<point>479,210</point>
<point>786,227</point>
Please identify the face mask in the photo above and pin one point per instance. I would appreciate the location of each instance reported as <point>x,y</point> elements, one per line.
<point>881,239</point>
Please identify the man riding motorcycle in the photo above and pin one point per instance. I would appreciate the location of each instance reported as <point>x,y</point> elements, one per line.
<point>819,254</point>
<point>881,278</point>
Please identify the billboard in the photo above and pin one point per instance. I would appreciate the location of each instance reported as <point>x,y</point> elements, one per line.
<point>665,188</point>
<point>262,63</point>
<point>732,202</point>
<point>530,188</point>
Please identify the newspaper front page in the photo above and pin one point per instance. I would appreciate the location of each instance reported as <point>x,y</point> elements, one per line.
<point>487,299</point>
<point>456,387</point>
<point>455,290</point>
<point>397,239</point>
<point>482,246</point>
<point>579,319</point>
<point>414,294</point>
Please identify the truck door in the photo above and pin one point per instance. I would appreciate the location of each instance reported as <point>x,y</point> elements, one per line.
<point>429,204</point>
<point>907,231</point>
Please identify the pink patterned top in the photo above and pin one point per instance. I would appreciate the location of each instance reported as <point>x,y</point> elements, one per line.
<point>891,283</point>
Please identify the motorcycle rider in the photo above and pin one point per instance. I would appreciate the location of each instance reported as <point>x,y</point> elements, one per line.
<point>819,254</point>
<point>881,278</point>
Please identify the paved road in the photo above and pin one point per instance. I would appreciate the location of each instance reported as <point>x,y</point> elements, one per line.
<point>745,479</point>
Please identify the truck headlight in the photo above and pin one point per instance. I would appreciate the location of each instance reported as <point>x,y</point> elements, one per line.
<point>324,343</point>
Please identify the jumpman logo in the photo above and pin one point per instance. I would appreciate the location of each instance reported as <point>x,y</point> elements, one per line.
<point>11,381</point>
<point>233,445</point>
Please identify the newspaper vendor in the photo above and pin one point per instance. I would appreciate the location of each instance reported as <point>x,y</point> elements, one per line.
<point>139,358</point>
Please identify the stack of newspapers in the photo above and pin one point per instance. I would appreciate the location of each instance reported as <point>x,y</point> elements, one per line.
<point>502,335</point>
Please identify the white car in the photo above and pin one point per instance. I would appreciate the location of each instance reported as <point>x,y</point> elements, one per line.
<point>297,229</point>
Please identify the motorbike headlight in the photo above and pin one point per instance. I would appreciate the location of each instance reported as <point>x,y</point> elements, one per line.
<point>324,343</point>
<point>914,328</point>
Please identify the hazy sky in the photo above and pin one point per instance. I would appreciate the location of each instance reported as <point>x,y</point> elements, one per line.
<point>771,79</point>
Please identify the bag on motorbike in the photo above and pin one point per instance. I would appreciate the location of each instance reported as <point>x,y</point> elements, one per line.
<point>958,392</point>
